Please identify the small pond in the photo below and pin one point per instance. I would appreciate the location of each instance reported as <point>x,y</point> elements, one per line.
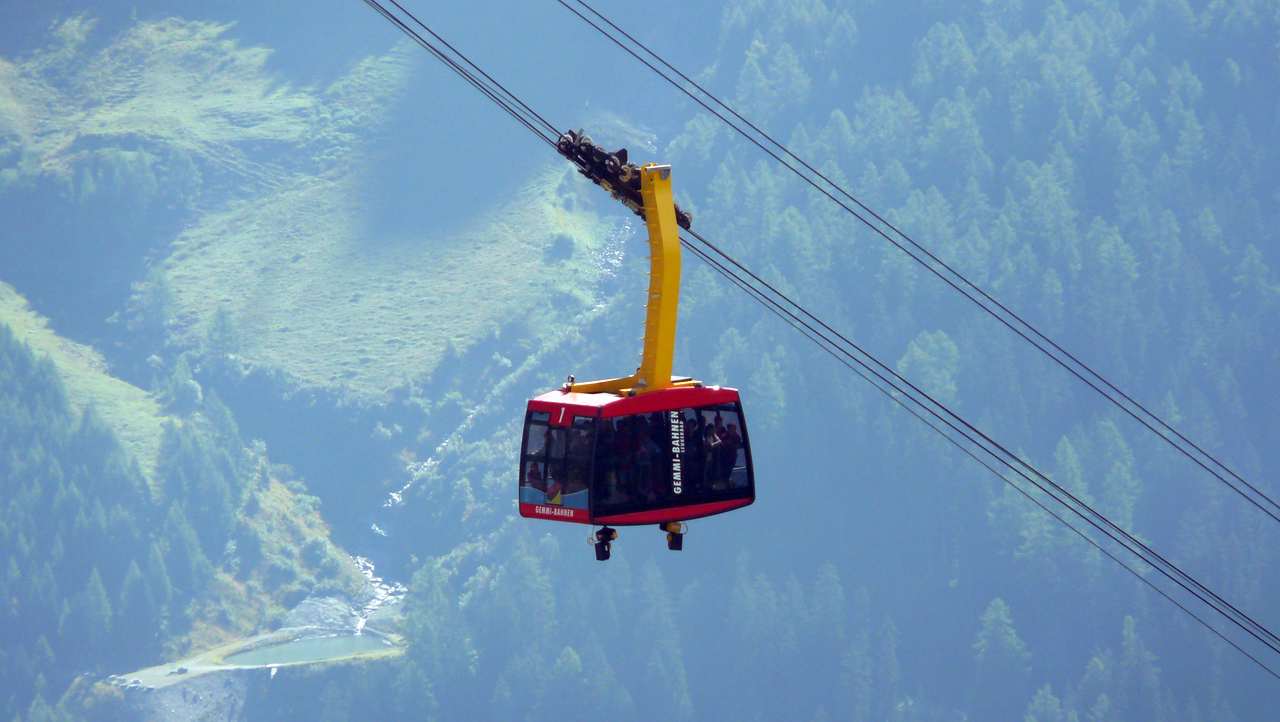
<point>311,649</point>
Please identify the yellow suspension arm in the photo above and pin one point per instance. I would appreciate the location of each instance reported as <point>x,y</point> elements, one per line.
<point>664,290</point>
<point>664,278</point>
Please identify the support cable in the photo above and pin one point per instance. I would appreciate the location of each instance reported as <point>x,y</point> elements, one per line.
<point>555,132</point>
<point>1094,517</point>
<point>1016,464</point>
<point>459,70</point>
<point>901,385</point>
<point>1271,507</point>
<point>824,343</point>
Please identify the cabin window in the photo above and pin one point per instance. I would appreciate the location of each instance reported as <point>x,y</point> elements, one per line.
<point>715,455</point>
<point>556,461</point>
<point>671,458</point>
<point>578,467</point>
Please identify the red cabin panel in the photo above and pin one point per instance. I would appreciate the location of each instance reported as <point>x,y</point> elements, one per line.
<point>555,513</point>
<point>670,455</point>
<point>673,513</point>
<point>670,399</point>
<point>562,407</point>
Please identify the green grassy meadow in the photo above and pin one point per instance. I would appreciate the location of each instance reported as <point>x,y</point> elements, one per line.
<point>311,294</point>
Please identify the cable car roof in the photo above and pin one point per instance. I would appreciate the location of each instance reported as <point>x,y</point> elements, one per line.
<point>608,405</point>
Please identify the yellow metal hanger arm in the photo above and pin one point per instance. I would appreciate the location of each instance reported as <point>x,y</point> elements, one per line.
<point>664,292</point>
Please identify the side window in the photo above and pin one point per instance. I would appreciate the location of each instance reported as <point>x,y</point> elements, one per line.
<point>556,461</point>
<point>578,461</point>
<point>632,460</point>
<point>715,449</point>
<point>533,465</point>
<point>535,428</point>
<point>677,457</point>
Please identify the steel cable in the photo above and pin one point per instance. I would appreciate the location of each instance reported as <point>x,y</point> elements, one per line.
<point>555,132</point>
<point>826,345</point>
<point>1273,511</point>
<point>460,71</point>
<point>903,387</point>
<point>978,437</point>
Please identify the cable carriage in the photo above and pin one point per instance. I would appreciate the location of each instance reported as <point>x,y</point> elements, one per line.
<point>649,448</point>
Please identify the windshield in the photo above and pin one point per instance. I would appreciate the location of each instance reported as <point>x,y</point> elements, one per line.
<point>556,462</point>
<point>670,458</point>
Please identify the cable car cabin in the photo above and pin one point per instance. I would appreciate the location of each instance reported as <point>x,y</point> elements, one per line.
<point>657,458</point>
<point>648,448</point>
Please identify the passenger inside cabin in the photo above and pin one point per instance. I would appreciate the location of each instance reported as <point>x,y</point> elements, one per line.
<point>694,452</point>
<point>623,456</point>
<point>606,473</point>
<point>579,459</point>
<point>533,477</point>
<point>730,443</point>
<point>555,490</point>
<point>711,447</point>
<point>646,453</point>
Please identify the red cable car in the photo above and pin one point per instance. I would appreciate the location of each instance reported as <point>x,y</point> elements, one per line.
<point>659,458</point>
<point>647,448</point>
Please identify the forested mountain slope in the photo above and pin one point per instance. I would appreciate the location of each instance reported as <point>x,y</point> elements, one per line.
<point>112,563</point>
<point>269,245</point>
<point>134,416</point>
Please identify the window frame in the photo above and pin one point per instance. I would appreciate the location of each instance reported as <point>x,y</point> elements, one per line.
<point>669,500</point>
<point>564,461</point>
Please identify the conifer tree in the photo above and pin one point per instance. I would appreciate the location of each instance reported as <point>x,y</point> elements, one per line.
<point>1002,664</point>
<point>95,614</point>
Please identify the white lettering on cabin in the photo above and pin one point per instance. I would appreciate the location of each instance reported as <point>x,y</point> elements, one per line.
<point>553,511</point>
<point>676,422</point>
